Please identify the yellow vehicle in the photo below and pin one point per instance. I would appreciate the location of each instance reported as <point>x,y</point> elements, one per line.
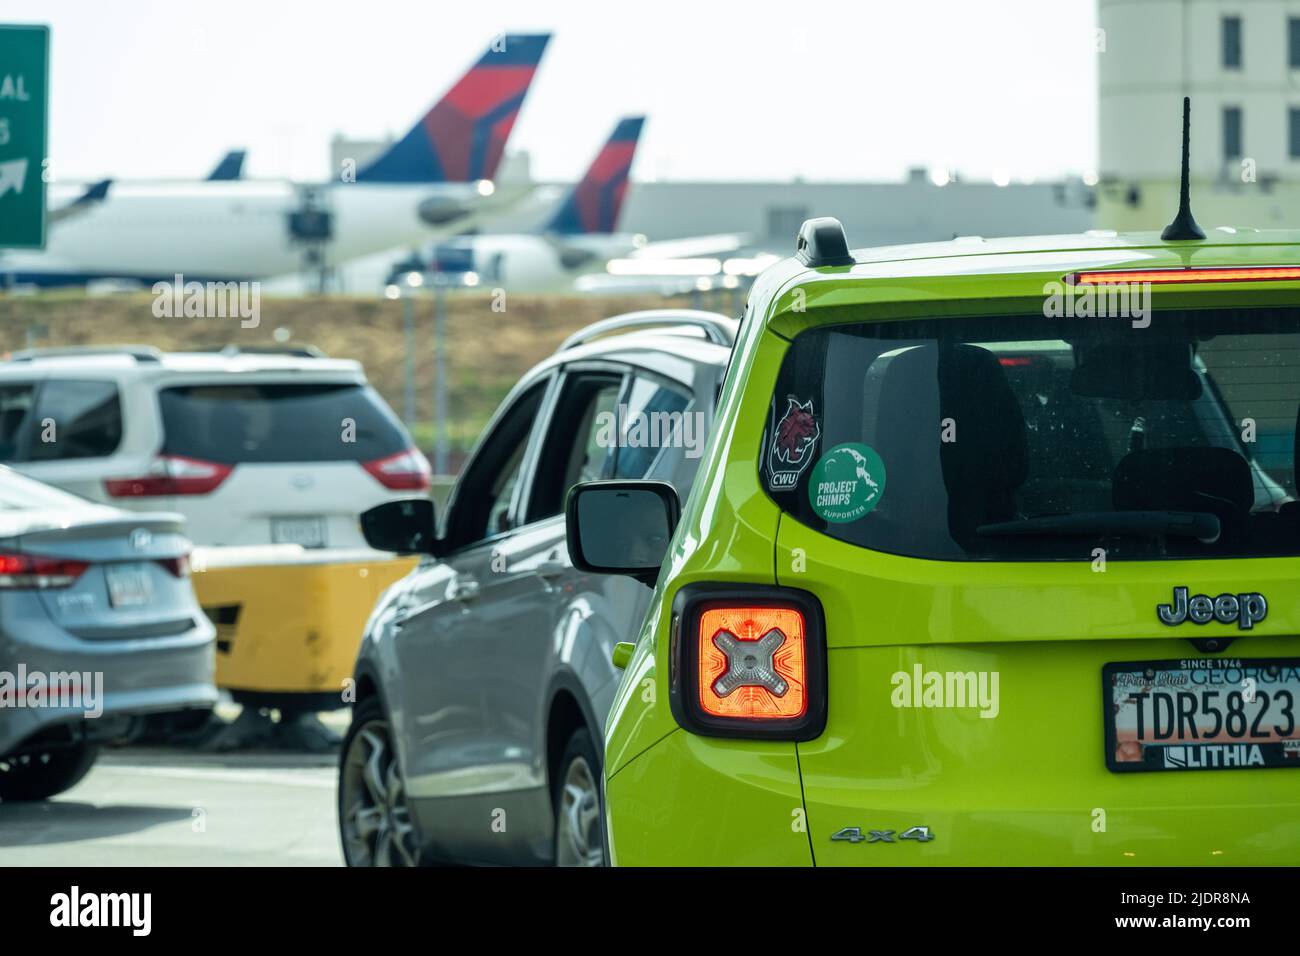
<point>289,619</point>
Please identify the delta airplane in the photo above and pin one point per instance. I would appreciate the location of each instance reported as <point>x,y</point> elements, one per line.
<point>579,237</point>
<point>435,180</point>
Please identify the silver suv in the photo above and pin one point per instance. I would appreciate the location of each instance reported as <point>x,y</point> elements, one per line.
<point>485,675</point>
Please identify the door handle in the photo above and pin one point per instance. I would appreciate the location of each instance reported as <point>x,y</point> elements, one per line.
<point>553,568</point>
<point>464,589</point>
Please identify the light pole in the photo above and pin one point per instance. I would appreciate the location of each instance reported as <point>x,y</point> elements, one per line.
<point>442,281</point>
<point>440,374</point>
<point>404,289</point>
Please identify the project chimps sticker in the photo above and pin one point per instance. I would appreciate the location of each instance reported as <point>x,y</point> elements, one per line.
<point>847,483</point>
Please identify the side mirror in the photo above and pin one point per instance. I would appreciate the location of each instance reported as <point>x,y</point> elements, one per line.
<point>405,527</point>
<point>621,527</point>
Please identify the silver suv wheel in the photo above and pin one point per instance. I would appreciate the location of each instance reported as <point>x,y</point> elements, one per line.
<point>374,820</point>
<point>577,823</point>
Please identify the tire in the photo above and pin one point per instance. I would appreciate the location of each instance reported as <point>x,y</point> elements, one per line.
<point>579,817</point>
<point>375,823</point>
<point>41,774</point>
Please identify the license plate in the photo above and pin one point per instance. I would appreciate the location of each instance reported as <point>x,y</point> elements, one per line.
<point>308,532</point>
<point>129,585</point>
<point>1202,714</point>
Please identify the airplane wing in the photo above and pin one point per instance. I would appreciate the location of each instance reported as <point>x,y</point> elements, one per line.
<point>692,247</point>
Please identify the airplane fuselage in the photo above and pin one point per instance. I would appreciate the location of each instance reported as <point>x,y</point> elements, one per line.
<point>236,230</point>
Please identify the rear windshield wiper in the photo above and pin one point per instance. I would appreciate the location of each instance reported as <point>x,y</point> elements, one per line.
<point>1186,524</point>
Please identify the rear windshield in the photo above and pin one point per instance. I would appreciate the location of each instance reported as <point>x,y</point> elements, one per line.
<point>1042,438</point>
<point>231,424</point>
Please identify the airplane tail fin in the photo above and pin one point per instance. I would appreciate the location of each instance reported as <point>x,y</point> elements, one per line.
<point>230,167</point>
<point>593,205</point>
<point>95,192</point>
<point>462,138</point>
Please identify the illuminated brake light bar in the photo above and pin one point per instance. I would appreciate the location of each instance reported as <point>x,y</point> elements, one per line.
<point>748,661</point>
<point>1186,276</point>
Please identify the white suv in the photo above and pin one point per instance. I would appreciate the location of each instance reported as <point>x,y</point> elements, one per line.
<point>251,447</point>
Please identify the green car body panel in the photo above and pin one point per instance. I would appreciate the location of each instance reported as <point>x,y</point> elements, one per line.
<point>1028,787</point>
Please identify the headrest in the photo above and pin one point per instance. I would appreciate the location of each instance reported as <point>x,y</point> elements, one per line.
<point>1217,480</point>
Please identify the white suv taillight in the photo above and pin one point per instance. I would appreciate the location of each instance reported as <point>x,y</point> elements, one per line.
<point>171,475</point>
<point>404,471</point>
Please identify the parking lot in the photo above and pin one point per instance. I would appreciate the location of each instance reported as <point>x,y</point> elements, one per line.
<point>162,807</point>
<point>864,437</point>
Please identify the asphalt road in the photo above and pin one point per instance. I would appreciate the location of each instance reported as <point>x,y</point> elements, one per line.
<point>157,807</point>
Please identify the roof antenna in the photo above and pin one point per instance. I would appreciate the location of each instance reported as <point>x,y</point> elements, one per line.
<point>1184,225</point>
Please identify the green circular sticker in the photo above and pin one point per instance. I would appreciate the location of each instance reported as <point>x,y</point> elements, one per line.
<point>847,483</point>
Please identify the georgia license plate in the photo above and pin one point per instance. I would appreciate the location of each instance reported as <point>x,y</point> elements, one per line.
<point>129,585</point>
<point>308,532</point>
<point>1202,714</point>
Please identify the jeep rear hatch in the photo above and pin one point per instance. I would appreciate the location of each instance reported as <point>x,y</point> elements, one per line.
<point>1056,559</point>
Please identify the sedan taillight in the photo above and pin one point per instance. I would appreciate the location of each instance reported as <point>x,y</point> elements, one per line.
<point>171,475</point>
<point>177,567</point>
<point>404,471</point>
<point>22,571</point>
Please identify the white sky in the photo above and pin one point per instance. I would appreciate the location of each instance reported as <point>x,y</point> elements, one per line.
<point>733,90</point>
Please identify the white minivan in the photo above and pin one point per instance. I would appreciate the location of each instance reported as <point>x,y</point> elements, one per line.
<point>252,447</point>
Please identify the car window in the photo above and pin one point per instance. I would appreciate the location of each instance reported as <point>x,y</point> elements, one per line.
<point>480,505</point>
<point>974,438</point>
<point>654,420</point>
<point>75,420</point>
<point>59,419</point>
<point>16,403</point>
<point>580,440</point>
<point>272,422</point>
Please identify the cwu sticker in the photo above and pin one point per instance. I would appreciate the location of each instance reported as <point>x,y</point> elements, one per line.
<point>794,442</point>
<point>847,483</point>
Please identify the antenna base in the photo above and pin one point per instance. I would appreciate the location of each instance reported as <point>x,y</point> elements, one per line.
<point>1184,227</point>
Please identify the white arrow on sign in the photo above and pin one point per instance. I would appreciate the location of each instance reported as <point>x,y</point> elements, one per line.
<point>12,175</point>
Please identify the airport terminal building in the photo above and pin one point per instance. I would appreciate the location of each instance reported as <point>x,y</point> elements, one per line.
<point>874,214</point>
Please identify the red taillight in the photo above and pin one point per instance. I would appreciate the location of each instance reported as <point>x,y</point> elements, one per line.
<point>177,567</point>
<point>404,471</point>
<point>752,662</point>
<point>748,662</point>
<point>27,571</point>
<point>1173,276</point>
<point>171,475</point>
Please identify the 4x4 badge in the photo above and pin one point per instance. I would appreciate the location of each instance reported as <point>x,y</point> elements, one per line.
<point>793,442</point>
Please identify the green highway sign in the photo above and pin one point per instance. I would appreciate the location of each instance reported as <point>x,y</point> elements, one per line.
<point>24,112</point>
